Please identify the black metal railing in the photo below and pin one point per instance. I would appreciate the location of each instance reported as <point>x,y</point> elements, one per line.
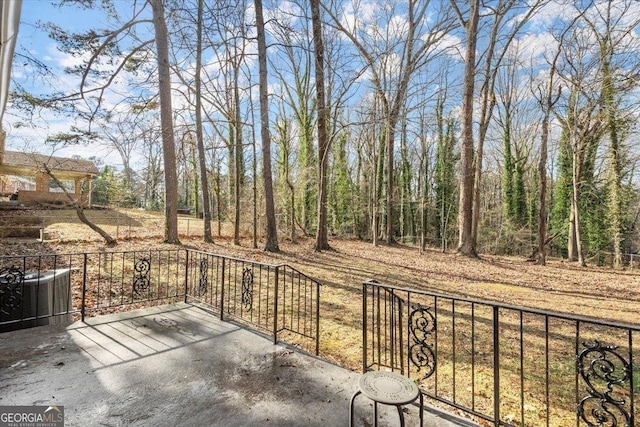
<point>276,299</point>
<point>509,366</point>
<point>44,289</point>
<point>38,289</point>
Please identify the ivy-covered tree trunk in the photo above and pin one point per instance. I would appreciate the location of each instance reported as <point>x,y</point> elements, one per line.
<point>406,210</point>
<point>585,207</point>
<point>344,200</point>
<point>424,179</point>
<point>521,206</point>
<point>446,160</point>
<point>615,156</point>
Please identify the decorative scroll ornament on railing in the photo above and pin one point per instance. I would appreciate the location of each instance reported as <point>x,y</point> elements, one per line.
<point>422,325</point>
<point>11,279</point>
<point>203,284</point>
<point>141,280</point>
<point>247,288</point>
<point>602,368</point>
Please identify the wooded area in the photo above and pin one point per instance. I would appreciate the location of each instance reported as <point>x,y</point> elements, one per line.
<point>482,126</point>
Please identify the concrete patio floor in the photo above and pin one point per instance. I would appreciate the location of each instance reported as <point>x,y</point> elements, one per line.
<point>178,365</point>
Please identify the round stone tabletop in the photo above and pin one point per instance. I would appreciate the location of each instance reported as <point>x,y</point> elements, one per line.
<point>388,387</point>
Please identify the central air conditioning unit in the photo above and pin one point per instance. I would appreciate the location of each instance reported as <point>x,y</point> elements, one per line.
<point>45,300</point>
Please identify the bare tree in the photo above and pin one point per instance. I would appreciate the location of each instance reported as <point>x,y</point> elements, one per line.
<point>547,95</point>
<point>271,244</point>
<point>466,244</point>
<point>95,82</point>
<point>499,40</point>
<point>322,241</point>
<point>223,94</point>
<point>284,142</point>
<point>612,27</point>
<point>293,67</point>
<point>125,132</point>
<point>393,58</point>
<point>206,204</point>
<point>79,208</point>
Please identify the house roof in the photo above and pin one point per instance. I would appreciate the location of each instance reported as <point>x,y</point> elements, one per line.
<point>17,161</point>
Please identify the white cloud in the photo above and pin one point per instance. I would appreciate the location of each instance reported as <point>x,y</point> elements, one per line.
<point>359,14</point>
<point>452,45</point>
<point>534,47</point>
<point>285,13</point>
<point>397,27</point>
<point>551,12</point>
<point>32,139</point>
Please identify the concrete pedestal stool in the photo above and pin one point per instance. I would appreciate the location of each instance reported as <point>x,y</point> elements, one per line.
<point>388,388</point>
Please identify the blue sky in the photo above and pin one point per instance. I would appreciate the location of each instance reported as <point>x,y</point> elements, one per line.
<point>533,43</point>
<point>38,44</point>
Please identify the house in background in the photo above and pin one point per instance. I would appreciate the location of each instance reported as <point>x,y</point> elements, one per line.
<point>11,184</point>
<point>17,168</point>
<point>21,170</point>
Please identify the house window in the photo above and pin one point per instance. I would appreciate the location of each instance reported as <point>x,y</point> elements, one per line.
<point>68,185</point>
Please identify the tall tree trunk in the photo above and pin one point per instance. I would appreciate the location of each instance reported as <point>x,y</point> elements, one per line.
<point>322,241</point>
<point>547,104</point>
<point>424,171</point>
<point>238,160</point>
<point>615,163</point>
<point>392,96</point>
<point>218,200</point>
<point>206,204</point>
<point>374,203</point>
<point>378,180</point>
<point>379,186</point>
<point>470,187</point>
<point>78,206</point>
<point>271,244</point>
<point>292,213</point>
<point>465,210</point>
<point>166,121</point>
<point>254,164</point>
<point>390,139</point>
<point>575,206</point>
<point>542,176</point>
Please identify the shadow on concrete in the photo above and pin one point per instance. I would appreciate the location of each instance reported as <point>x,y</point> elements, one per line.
<point>177,365</point>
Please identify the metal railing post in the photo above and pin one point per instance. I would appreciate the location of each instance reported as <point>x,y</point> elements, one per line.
<point>186,276</point>
<point>496,366</point>
<point>401,334</point>
<point>364,327</point>
<point>84,288</point>
<point>317,319</point>
<point>275,305</point>
<point>222,291</point>
<point>631,380</point>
